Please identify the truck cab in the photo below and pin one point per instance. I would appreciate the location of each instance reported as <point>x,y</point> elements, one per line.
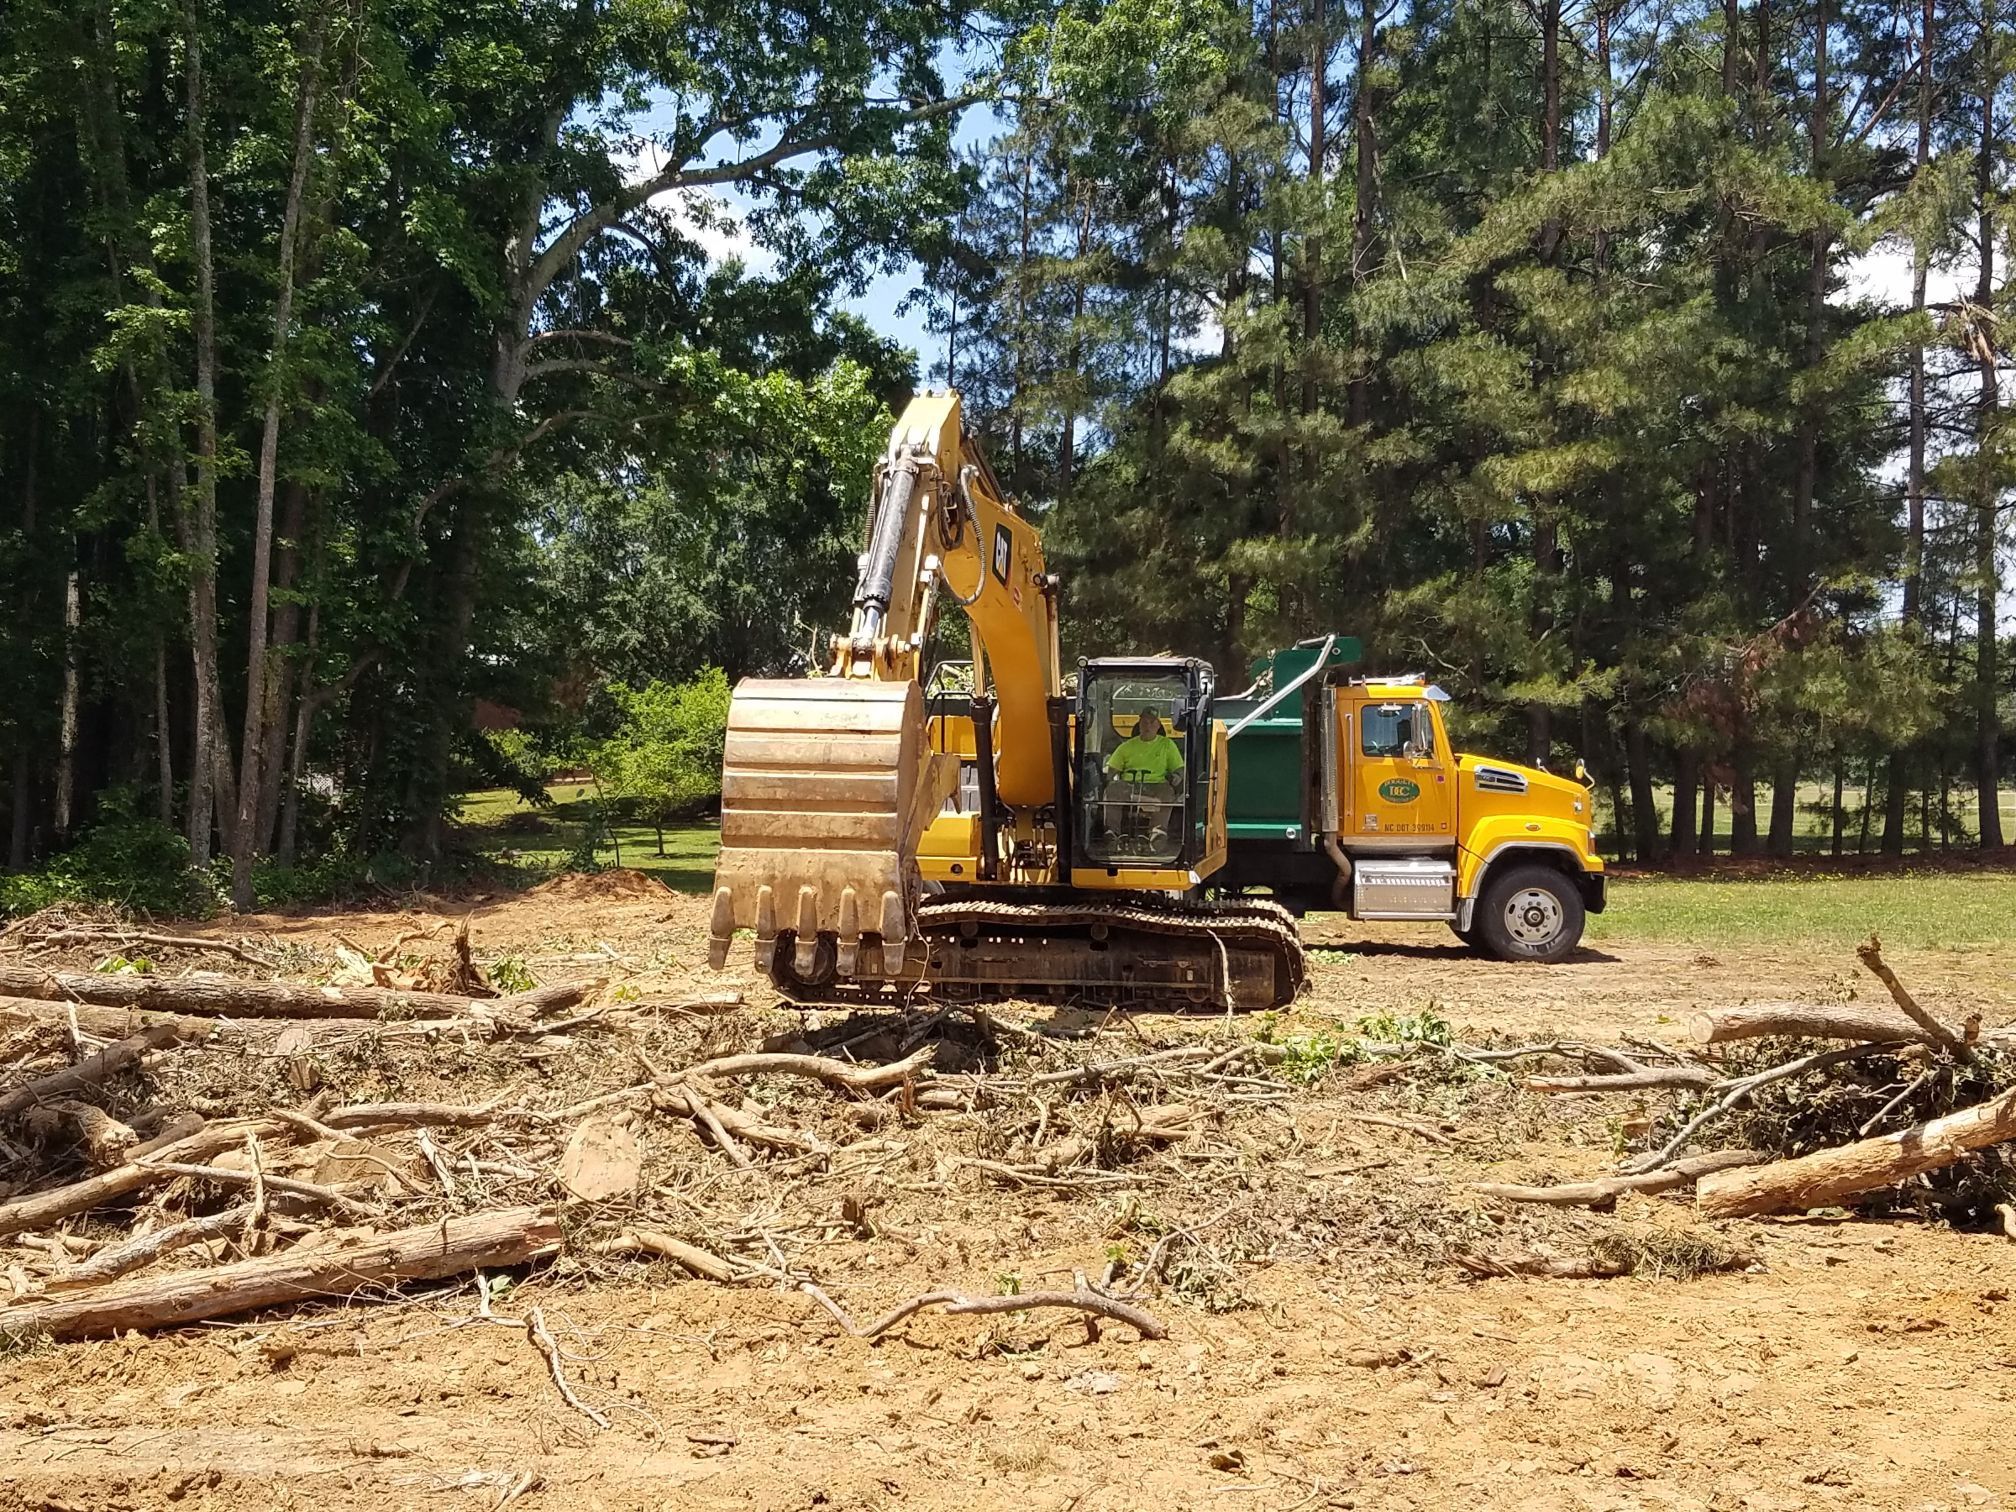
<point>1346,795</point>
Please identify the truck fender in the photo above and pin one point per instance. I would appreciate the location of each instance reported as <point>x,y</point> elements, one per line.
<point>1552,845</point>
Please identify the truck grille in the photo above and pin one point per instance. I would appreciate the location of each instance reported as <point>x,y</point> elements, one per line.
<point>1491,779</point>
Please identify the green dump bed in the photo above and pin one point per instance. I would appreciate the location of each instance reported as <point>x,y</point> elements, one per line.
<point>1264,798</point>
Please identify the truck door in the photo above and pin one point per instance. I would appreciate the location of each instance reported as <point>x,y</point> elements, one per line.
<point>1399,789</point>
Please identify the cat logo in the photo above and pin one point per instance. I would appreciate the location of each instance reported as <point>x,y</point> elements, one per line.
<point>1399,790</point>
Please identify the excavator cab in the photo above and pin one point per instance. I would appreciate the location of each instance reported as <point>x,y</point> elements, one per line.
<point>1142,785</point>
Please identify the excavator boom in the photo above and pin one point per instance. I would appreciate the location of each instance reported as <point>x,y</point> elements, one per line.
<point>828,782</point>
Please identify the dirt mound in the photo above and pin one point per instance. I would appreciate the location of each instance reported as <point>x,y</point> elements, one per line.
<point>615,885</point>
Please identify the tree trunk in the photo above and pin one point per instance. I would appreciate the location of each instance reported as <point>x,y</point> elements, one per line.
<point>1365,149</point>
<point>1871,1023</point>
<point>164,744</point>
<point>1914,474</point>
<point>1987,564</point>
<point>1686,770</point>
<point>1800,546</point>
<point>1742,804</point>
<point>1868,804</point>
<point>1784,805</point>
<point>244,998</point>
<point>1706,843</point>
<point>286,632</point>
<point>199,527</point>
<point>1067,441</point>
<point>1546,546</point>
<point>66,723</point>
<point>248,832</point>
<point>426,1252</point>
<point>304,726</point>
<point>1312,267</point>
<point>1644,808</point>
<point>1840,782</point>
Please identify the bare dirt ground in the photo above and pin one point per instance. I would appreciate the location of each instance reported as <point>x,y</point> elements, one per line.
<point>1322,1350</point>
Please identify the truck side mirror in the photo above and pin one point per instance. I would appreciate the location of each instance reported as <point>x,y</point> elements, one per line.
<point>1420,735</point>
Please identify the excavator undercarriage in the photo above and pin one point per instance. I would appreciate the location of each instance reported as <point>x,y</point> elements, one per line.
<point>1126,950</point>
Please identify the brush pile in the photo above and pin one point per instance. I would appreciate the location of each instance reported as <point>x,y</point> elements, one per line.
<point>291,1123</point>
<point>1788,1107</point>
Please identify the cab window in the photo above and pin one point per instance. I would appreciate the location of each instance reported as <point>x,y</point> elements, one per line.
<point>1389,730</point>
<point>1135,806</point>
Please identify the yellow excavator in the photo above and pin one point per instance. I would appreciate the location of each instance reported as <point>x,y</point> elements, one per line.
<point>887,828</point>
<point>996,840</point>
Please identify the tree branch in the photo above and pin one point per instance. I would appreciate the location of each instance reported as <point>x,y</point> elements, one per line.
<point>567,245</point>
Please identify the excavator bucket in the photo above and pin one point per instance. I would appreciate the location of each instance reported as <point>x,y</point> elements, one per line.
<point>826,787</point>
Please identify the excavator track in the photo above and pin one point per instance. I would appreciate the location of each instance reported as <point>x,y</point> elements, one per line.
<point>1129,951</point>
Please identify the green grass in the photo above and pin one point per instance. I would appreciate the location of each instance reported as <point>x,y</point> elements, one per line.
<point>500,825</point>
<point>1921,910</point>
<point>1813,824</point>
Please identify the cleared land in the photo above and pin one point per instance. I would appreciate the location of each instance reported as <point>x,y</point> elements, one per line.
<point>1323,1349</point>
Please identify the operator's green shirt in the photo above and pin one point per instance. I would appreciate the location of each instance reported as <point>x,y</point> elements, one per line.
<point>1140,760</point>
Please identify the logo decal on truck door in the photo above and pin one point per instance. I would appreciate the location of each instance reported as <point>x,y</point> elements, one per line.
<point>1399,790</point>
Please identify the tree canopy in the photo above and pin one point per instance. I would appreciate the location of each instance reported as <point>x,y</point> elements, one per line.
<point>1633,366</point>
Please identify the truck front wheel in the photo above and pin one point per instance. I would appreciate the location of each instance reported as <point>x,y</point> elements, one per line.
<point>1530,913</point>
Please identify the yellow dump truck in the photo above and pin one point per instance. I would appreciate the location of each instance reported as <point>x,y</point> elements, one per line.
<point>1345,794</point>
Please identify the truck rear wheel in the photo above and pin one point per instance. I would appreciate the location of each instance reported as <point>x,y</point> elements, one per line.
<point>1531,913</point>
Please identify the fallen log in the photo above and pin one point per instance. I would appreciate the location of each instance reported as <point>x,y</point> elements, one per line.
<point>1695,1077</point>
<point>429,1251</point>
<point>209,996</point>
<point>1825,1177</point>
<point>452,1115</point>
<point>1844,1021</point>
<point>91,1071</point>
<point>1604,1191</point>
<point>40,1209</point>
<point>105,1138</point>
<point>99,1021</point>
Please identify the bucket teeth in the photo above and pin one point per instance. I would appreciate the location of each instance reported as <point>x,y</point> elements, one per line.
<point>894,924</point>
<point>721,928</point>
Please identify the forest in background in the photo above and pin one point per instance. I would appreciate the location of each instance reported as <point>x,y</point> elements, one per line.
<point>379,426</point>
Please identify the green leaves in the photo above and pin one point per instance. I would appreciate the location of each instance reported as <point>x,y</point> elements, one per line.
<point>664,761</point>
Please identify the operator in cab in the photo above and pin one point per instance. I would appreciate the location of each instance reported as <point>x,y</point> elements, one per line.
<point>1152,765</point>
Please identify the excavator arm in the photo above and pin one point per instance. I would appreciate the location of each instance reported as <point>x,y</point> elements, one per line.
<point>829,782</point>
